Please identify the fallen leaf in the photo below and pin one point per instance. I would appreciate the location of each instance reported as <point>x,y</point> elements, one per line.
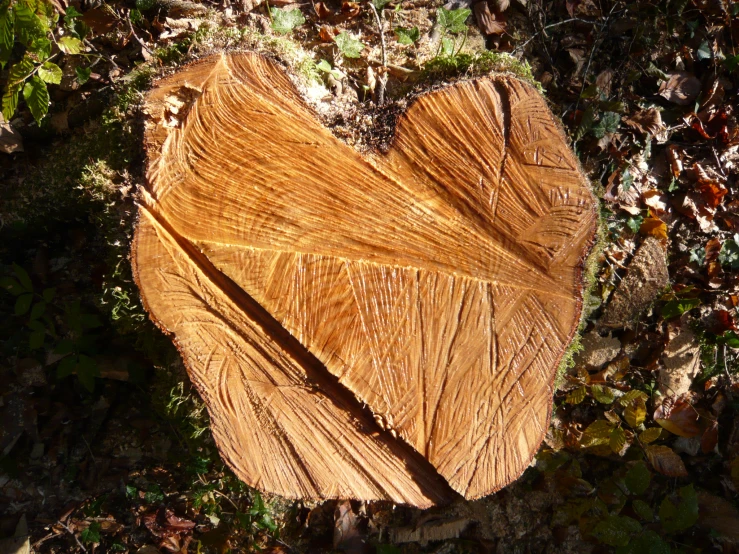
<point>709,440</point>
<point>679,417</point>
<point>665,461</point>
<point>654,227</point>
<point>655,200</point>
<point>681,88</point>
<point>322,11</point>
<point>350,9</point>
<point>719,515</point>
<point>647,121</point>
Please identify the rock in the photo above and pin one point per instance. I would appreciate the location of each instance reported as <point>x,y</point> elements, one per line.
<point>19,543</point>
<point>681,363</point>
<point>646,276</point>
<point>597,351</point>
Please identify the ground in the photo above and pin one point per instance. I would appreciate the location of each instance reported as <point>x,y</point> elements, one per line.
<point>105,448</point>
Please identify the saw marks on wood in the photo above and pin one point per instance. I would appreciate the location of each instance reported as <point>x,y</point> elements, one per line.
<point>379,327</point>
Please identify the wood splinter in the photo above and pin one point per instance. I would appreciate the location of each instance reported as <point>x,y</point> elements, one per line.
<point>318,296</point>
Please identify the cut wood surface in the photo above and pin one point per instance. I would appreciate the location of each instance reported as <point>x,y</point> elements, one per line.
<point>385,326</point>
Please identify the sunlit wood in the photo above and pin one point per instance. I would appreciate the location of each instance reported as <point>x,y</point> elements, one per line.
<point>375,327</point>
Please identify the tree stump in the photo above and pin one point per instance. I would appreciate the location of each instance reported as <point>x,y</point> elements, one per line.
<point>382,326</point>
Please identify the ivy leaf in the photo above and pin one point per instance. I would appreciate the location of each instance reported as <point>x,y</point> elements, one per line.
<point>50,73</point>
<point>349,46</point>
<point>23,278</point>
<point>37,97</point>
<point>83,74</point>
<point>681,516</point>
<point>447,47</point>
<point>704,51</point>
<point>452,21</point>
<point>92,533</point>
<point>284,21</point>
<point>729,254</point>
<point>729,338</point>
<point>608,124</point>
<point>676,308</point>
<point>70,45</point>
<point>634,223</point>
<point>6,33</point>
<point>407,36</point>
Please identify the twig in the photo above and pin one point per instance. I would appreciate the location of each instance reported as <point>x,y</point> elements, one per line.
<point>73,535</point>
<point>383,77</point>
<point>141,42</point>
<point>543,29</point>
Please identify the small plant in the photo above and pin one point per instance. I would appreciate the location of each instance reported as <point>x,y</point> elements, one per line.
<point>348,45</point>
<point>34,24</point>
<point>284,21</point>
<point>407,36</point>
<point>451,22</point>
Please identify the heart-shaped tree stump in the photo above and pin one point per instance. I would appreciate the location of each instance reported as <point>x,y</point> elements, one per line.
<point>385,326</point>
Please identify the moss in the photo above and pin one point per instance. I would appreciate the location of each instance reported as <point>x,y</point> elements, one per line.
<point>476,65</point>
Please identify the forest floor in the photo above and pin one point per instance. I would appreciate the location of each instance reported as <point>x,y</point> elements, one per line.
<point>104,447</point>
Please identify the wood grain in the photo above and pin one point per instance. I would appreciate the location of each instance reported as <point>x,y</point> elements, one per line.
<point>375,327</point>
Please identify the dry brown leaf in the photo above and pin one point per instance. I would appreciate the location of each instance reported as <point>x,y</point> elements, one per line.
<point>681,88</point>
<point>655,200</point>
<point>719,515</point>
<point>647,121</point>
<point>350,9</point>
<point>679,417</point>
<point>490,22</point>
<point>665,460</point>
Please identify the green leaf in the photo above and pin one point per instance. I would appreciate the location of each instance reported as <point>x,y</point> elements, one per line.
<point>41,46</point>
<point>37,97</point>
<point>616,530</point>
<point>48,294</point>
<point>627,179</point>
<point>643,510</point>
<point>70,45</point>
<point>38,310</point>
<point>349,46</point>
<point>729,254</point>
<point>677,307</point>
<point>92,533</point>
<point>36,339</point>
<point>447,47</point>
<point>407,36</point>
<point>602,394</point>
<point>452,21</point>
<point>698,255</point>
<point>598,432</point>
<point>28,26</point>
<point>648,542</point>
<point>608,124</point>
<point>6,33</point>
<point>638,478</point>
<point>10,103</point>
<point>71,13</point>
<point>617,440</point>
<point>64,346</point>
<point>23,278</point>
<point>634,223</point>
<point>66,367</point>
<point>284,21</point>
<point>83,74</point>
<point>681,516</point>
<point>12,286</point>
<point>576,396</point>
<point>87,370</point>
<point>729,338</point>
<point>23,304</point>
<point>704,51</point>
